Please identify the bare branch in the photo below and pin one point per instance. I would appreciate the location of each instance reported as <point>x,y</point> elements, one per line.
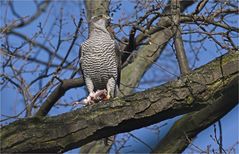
<point>40,9</point>
<point>200,6</point>
<point>58,93</point>
<point>180,51</point>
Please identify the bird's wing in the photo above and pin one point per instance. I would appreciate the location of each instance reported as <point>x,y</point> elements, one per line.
<point>118,60</point>
<point>81,50</point>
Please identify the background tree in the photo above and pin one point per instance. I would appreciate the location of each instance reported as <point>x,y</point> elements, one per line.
<point>163,42</point>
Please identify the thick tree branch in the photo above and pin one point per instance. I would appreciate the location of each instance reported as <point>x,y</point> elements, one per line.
<point>73,129</point>
<point>193,123</point>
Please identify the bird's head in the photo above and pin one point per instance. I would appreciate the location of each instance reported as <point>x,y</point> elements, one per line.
<point>100,22</point>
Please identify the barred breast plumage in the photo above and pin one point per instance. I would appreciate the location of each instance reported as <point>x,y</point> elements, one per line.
<point>99,60</point>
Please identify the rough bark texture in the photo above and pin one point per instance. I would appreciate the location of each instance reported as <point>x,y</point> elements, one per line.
<point>76,128</point>
<point>185,129</point>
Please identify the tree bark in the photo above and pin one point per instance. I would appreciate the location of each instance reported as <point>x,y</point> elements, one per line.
<point>178,39</point>
<point>186,128</point>
<point>70,130</point>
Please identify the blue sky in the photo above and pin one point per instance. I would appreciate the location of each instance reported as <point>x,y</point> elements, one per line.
<point>11,100</point>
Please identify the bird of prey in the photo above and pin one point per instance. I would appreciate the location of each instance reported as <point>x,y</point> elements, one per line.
<point>100,61</point>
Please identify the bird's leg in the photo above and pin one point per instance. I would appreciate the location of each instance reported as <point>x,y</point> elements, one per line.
<point>90,87</point>
<point>110,88</point>
<point>108,95</point>
<point>91,95</point>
